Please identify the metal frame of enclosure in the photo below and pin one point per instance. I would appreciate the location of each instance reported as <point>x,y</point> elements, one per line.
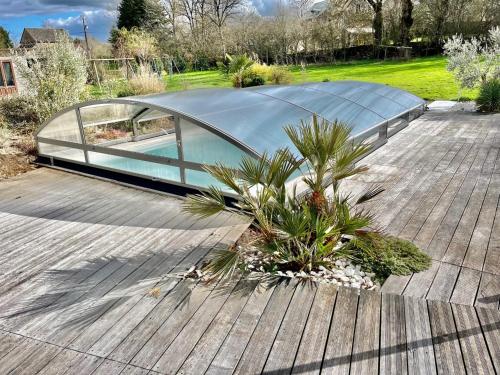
<point>227,123</point>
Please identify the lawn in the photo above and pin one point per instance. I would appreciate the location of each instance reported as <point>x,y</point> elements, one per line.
<point>425,77</point>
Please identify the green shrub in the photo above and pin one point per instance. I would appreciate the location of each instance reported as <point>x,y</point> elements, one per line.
<point>253,80</point>
<point>280,75</point>
<point>126,91</point>
<point>55,76</point>
<point>489,96</point>
<point>386,255</point>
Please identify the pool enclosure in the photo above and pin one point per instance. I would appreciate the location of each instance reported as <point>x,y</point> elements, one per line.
<point>169,137</point>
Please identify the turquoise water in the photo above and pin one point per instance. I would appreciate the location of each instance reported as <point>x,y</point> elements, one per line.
<point>197,149</point>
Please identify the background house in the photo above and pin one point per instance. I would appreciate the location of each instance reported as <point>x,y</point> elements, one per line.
<point>31,36</point>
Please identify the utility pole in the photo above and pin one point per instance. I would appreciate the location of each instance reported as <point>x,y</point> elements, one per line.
<point>85,28</point>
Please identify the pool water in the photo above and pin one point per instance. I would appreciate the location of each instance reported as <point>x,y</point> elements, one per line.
<point>196,149</point>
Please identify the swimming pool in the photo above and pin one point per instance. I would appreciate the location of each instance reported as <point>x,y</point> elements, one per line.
<point>201,149</point>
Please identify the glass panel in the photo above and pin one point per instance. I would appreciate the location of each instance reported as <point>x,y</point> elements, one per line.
<point>164,145</point>
<point>2,83</point>
<point>397,124</point>
<point>145,168</point>
<point>61,152</point>
<point>155,122</point>
<point>9,76</point>
<point>203,179</point>
<point>201,146</point>
<point>107,113</point>
<point>108,123</point>
<point>64,128</point>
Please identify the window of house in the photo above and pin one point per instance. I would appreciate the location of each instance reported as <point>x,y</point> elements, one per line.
<point>9,75</point>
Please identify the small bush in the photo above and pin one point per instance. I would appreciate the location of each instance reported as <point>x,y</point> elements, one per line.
<point>253,80</point>
<point>261,70</point>
<point>489,96</point>
<point>125,91</point>
<point>145,81</point>
<point>19,113</point>
<point>280,75</point>
<point>385,255</point>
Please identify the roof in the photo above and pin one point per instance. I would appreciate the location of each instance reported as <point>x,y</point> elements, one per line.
<point>254,118</point>
<point>42,35</point>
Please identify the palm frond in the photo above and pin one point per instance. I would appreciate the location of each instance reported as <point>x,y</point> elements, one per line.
<point>225,175</point>
<point>253,170</point>
<point>223,263</point>
<point>281,166</point>
<point>370,194</point>
<point>205,204</point>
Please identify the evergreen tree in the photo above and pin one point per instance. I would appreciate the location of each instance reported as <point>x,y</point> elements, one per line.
<point>131,13</point>
<point>5,41</point>
<point>144,14</point>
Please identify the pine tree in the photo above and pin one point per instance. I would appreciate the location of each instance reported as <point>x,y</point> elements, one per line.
<point>5,41</point>
<point>131,13</point>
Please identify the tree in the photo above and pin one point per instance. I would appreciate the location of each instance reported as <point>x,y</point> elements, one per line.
<point>406,22</point>
<point>220,11</point>
<point>55,77</point>
<point>474,61</point>
<point>441,11</point>
<point>378,21</point>
<point>146,14</point>
<point>135,42</point>
<point>131,13</point>
<point>5,41</point>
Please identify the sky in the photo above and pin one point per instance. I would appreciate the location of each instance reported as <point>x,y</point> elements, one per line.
<point>15,15</point>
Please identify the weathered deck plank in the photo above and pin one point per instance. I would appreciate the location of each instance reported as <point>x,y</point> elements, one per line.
<point>393,358</point>
<point>449,358</point>
<point>420,351</point>
<point>337,358</point>
<point>474,350</point>
<point>312,346</point>
<point>365,350</point>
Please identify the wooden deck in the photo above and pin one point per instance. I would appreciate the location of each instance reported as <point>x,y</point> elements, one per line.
<point>442,176</point>
<point>79,257</point>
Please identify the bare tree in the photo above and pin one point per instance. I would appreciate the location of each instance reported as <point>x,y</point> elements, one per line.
<point>302,7</point>
<point>220,11</point>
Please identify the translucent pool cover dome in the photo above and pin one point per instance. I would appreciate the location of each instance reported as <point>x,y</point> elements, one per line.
<point>171,136</point>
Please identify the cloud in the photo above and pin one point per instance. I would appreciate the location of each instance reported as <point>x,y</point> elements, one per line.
<point>18,8</point>
<point>101,15</point>
<point>99,23</point>
<point>265,7</point>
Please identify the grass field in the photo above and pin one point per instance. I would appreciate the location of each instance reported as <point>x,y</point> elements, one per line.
<point>425,77</point>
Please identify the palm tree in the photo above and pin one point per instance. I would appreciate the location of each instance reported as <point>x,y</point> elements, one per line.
<point>237,66</point>
<point>294,231</point>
